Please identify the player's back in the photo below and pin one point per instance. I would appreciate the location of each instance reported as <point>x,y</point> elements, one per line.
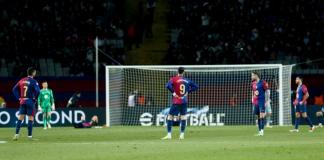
<point>27,89</point>
<point>181,87</point>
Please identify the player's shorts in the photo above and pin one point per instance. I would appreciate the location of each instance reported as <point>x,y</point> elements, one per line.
<point>178,108</point>
<point>46,109</point>
<point>268,109</point>
<point>300,108</point>
<point>27,109</point>
<point>257,109</point>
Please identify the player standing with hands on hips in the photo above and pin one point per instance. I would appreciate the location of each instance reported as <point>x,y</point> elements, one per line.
<point>180,87</point>
<point>26,90</point>
<point>46,104</point>
<point>300,105</point>
<point>260,99</point>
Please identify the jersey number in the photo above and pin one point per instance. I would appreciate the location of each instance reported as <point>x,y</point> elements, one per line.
<point>25,90</point>
<point>182,89</point>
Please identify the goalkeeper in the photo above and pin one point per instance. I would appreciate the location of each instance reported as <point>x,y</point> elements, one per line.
<point>46,104</point>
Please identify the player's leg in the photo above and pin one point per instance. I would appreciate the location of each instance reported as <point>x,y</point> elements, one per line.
<point>308,120</point>
<point>297,119</point>
<point>172,113</point>
<point>319,116</point>
<point>268,116</point>
<point>22,113</point>
<point>30,114</point>
<point>48,117</point>
<point>183,120</point>
<point>257,114</point>
<point>44,119</point>
<point>262,119</point>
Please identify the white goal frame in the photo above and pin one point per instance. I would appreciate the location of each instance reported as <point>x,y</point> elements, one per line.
<point>279,66</point>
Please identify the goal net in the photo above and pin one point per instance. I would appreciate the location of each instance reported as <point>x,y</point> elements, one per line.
<point>136,95</point>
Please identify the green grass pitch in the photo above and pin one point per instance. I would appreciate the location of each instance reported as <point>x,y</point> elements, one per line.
<point>143,143</point>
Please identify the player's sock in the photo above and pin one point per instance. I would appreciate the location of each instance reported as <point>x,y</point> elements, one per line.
<point>259,124</point>
<point>44,121</point>
<point>297,120</point>
<point>183,126</point>
<point>268,120</point>
<point>48,118</point>
<point>18,125</point>
<point>262,123</point>
<point>309,121</point>
<point>169,125</point>
<point>30,128</point>
<point>320,120</point>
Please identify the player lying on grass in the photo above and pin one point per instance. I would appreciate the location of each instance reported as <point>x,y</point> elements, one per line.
<point>320,117</point>
<point>46,104</point>
<point>26,90</point>
<point>180,87</point>
<point>300,105</point>
<point>260,98</point>
<point>84,124</point>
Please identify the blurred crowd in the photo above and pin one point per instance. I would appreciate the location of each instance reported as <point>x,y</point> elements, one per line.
<point>62,30</point>
<point>245,31</point>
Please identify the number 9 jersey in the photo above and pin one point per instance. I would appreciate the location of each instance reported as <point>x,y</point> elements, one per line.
<point>180,87</point>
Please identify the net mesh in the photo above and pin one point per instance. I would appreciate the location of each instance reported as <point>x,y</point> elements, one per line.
<point>137,95</point>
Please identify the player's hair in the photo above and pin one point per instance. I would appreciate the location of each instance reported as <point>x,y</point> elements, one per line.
<point>44,82</point>
<point>30,71</point>
<point>256,73</point>
<point>301,78</point>
<point>181,70</point>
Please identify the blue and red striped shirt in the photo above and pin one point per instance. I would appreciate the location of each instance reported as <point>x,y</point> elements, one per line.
<point>26,90</point>
<point>181,87</point>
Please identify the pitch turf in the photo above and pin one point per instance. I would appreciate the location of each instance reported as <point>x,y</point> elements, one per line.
<point>143,143</point>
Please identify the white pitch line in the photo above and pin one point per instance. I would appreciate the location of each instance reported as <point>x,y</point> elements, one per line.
<point>2,142</point>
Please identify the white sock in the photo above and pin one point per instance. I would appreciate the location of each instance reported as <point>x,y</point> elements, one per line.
<point>169,135</point>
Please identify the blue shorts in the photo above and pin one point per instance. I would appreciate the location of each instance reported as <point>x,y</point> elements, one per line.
<point>300,108</point>
<point>27,109</point>
<point>257,109</point>
<point>178,108</point>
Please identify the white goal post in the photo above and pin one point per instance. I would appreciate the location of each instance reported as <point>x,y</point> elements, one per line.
<point>136,95</point>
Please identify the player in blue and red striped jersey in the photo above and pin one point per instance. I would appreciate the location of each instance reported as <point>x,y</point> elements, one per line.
<point>26,91</point>
<point>300,105</point>
<point>260,99</point>
<point>180,87</point>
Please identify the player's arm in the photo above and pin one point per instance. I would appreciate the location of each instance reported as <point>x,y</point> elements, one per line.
<point>39,101</point>
<point>193,87</point>
<point>36,90</point>
<point>15,91</point>
<point>306,94</point>
<point>267,91</point>
<point>52,100</point>
<point>169,86</point>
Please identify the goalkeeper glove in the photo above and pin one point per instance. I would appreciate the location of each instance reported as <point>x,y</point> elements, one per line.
<point>53,107</point>
<point>39,108</point>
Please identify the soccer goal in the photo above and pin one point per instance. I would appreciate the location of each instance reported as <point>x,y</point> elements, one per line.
<point>136,95</point>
